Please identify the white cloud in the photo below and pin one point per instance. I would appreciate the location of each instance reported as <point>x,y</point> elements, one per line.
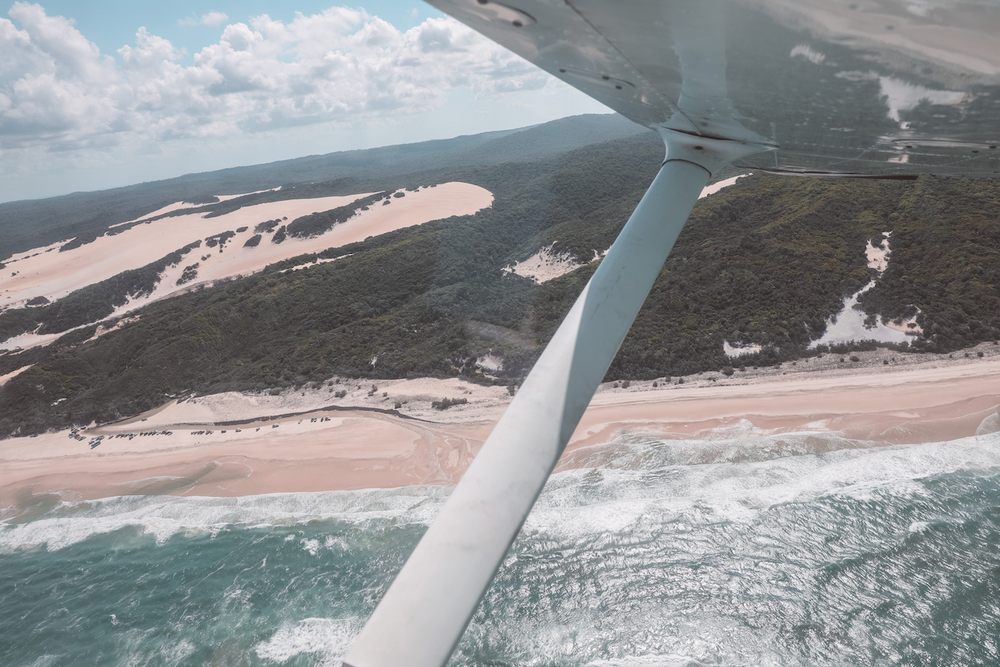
<point>210,19</point>
<point>57,89</point>
<point>214,18</point>
<point>72,118</point>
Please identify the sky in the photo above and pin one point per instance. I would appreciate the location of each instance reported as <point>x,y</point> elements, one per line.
<point>100,94</point>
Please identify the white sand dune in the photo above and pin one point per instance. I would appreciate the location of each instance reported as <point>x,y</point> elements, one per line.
<point>52,274</point>
<point>544,265</point>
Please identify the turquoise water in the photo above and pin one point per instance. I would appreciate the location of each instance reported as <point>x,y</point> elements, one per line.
<point>764,550</point>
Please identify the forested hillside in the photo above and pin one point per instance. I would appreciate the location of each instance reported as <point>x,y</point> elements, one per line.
<point>30,224</point>
<point>766,261</point>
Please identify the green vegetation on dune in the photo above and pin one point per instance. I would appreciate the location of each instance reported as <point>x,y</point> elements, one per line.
<point>766,261</point>
<point>91,303</point>
<point>945,262</point>
<point>315,224</point>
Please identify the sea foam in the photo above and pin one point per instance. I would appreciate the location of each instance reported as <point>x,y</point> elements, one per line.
<point>756,553</point>
<point>732,475</point>
<point>165,516</point>
<point>328,637</point>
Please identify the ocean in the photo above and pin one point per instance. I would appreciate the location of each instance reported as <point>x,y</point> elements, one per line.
<point>740,549</point>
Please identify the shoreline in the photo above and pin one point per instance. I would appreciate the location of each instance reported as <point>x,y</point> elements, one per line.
<point>249,444</point>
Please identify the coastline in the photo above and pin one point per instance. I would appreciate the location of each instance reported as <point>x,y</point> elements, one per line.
<point>294,441</point>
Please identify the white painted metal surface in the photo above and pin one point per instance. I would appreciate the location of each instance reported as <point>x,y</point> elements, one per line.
<point>877,88</point>
<point>427,608</point>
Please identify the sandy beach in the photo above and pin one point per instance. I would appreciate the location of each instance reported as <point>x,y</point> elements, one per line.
<point>308,439</point>
<point>357,433</point>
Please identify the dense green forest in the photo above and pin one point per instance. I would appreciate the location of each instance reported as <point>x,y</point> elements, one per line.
<point>766,261</point>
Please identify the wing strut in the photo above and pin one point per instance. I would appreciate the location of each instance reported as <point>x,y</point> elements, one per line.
<point>424,613</point>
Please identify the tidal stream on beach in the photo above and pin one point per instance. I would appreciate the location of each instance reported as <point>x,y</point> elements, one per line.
<point>734,549</point>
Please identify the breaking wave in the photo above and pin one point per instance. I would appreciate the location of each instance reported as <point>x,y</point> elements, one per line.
<point>742,548</point>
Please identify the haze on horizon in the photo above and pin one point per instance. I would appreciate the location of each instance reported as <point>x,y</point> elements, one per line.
<point>201,88</point>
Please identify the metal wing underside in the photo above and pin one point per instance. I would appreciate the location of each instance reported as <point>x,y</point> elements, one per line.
<point>857,87</point>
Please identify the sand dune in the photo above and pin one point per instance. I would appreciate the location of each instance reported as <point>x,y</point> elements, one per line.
<point>52,274</point>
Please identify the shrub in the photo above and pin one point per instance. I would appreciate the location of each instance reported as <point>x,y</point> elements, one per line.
<point>266,226</point>
<point>319,223</point>
<point>446,403</point>
<point>253,241</point>
<point>189,273</point>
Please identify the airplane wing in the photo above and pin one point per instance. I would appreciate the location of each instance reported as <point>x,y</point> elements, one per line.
<point>893,87</point>
<point>809,87</point>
